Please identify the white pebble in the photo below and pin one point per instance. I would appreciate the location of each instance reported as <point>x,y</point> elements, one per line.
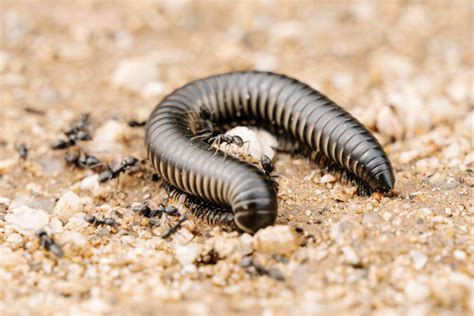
<point>328,178</point>
<point>134,74</point>
<point>416,291</point>
<point>14,239</point>
<point>388,124</point>
<point>459,255</point>
<point>7,165</point>
<point>408,156</point>
<point>246,242</point>
<point>278,239</point>
<point>350,256</point>
<point>153,89</point>
<point>419,259</point>
<point>5,201</point>
<point>108,137</point>
<point>26,218</point>
<point>67,206</point>
<point>187,254</point>
<point>90,183</point>
<point>387,216</point>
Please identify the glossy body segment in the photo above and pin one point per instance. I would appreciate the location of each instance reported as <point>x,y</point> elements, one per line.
<point>276,102</point>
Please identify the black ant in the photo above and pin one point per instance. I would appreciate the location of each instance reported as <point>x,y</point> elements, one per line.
<point>112,173</point>
<point>48,243</point>
<point>135,123</point>
<point>266,165</point>
<point>86,161</point>
<point>144,210</point>
<point>78,132</point>
<point>94,220</point>
<point>227,139</point>
<point>22,151</point>
<point>173,229</point>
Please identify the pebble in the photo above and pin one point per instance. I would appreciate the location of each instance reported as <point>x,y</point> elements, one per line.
<point>280,239</point>
<point>5,201</point>
<point>187,254</point>
<point>327,178</point>
<point>152,89</point>
<point>27,219</point>
<point>90,183</point>
<point>246,242</point>
<point>8,165</point>
<point>459,255</point>
<point>419,259</point>
<point>388,124</point>
<point>225,247</point>
<point>14,239</point>
<point>416,291</point>
<point>408,156</point>
<point>67,206</point>
<point>350,256</point>
<point>75,238</point>
<point>10,259</point>
<point>109,137</point>
<point>135,74</point>
<point>4,59</point>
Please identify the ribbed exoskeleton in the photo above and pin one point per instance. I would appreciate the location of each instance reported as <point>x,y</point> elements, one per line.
<point>281,104</point>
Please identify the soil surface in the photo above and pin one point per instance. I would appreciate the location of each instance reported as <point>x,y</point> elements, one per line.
<point>403,68</point>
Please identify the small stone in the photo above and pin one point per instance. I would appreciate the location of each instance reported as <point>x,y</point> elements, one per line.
<point>426,211</point>
<point>67,206</point>
<point>246,241</point>
<point>408,156</point>
<point>10,259</point>
<point>90,183</point>
<point>4,59</point>
<point>459,255</point>
<point>327,178</point>
<point>278,239</point>
<point>26,218</point>
<point>153,89</point>
<point>387,216</point>
<point>416,291</point>
<point>15,239</point>
<point>134,74</point>
<point>350,256</point>
<point>7,165</point>
<point>184,236</point>
<point>109,137</point>
<point>419,259</point>
<point>388,124</point>
<point>226,246</point>
<point>5,202</point>
<point>187,254</point>
<point>76,239</point>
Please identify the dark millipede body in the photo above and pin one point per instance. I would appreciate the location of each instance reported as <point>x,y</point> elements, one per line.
<point>286,107</point>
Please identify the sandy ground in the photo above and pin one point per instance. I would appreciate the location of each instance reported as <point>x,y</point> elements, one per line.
<point>403,68</point>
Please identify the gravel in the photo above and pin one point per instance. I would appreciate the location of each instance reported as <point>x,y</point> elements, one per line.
<point>407,76</point>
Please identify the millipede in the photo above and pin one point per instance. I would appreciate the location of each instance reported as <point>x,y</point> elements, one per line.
<point>224,187</point>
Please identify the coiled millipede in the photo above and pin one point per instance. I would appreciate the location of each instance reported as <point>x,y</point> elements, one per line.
<point>237,190</point>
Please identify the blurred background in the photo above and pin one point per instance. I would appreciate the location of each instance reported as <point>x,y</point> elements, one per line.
<point>404,68</point>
